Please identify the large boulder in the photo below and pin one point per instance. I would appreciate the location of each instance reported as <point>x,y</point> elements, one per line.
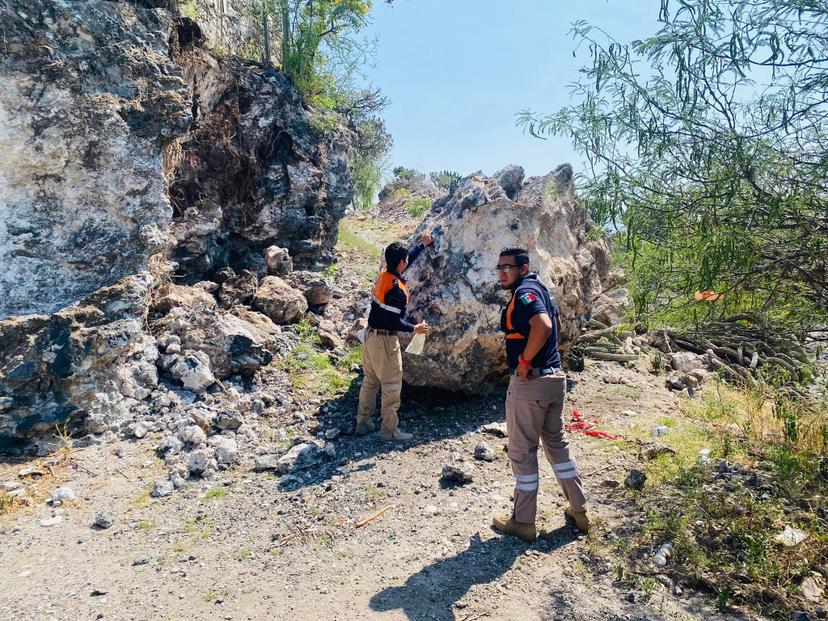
<point>280,301</point>
<point>400,199</point>
<point>611,307</point>
<point>314,286</point>
<point>278,261</point>
<point>454,287</point>
<point>238,289</point>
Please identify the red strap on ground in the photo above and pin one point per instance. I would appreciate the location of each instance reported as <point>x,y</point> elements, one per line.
<point>587,426</point>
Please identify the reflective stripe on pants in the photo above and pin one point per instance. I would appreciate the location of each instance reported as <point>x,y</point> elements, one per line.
<point>534,413</point>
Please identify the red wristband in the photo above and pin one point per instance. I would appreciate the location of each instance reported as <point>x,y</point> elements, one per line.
<point>524,362</point>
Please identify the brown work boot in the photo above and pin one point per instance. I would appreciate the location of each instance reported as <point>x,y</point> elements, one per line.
<point>508,526</point>
<point>365,428</point>
<point>399,436</point>
<point>578,518</point>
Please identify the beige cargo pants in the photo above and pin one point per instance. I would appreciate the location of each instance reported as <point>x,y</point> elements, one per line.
<point>534,411</point>
<point>382,364</point>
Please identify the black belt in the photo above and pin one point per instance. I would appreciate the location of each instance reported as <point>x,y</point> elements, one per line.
<point>382,332</point>
<point>542,372</point>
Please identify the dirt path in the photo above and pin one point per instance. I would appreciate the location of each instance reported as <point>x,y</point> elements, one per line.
<point>252,550</point>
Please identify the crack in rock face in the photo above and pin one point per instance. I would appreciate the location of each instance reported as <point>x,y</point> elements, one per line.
<point>454,287</point>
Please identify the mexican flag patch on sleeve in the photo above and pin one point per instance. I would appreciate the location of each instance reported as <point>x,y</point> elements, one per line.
<point>528,298</point>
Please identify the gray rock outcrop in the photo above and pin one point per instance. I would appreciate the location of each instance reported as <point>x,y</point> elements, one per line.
<point>397,199</point>
<point>87,366</point>
<point>89,103</point>
<point>252,172</point>
<point>454,286</point>
<point>132,157</point>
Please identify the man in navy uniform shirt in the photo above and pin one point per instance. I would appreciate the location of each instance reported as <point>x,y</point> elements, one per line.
<point>534,401</point>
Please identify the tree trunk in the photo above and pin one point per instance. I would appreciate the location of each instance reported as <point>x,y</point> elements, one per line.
<point>265,36</point>
<point>286,35</point>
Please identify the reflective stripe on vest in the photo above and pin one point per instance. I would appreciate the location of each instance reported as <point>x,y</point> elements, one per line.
<point>511,333</point>
<point>385,283</point>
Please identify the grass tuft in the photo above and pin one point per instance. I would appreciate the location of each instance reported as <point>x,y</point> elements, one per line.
<point>215,493</point>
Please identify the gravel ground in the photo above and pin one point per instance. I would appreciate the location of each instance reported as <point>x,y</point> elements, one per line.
<point>250,545</point>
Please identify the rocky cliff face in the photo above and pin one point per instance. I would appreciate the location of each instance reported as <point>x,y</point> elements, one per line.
<point>229,26</point>
<point>89,99</point>
<point>252,171</point>
<point>129,154</point>
<point>455,289</point>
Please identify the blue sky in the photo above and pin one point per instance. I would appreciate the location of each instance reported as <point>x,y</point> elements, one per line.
<point>458,71</point>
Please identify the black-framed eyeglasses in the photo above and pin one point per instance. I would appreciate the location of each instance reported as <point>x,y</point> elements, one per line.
<point>505,268</point>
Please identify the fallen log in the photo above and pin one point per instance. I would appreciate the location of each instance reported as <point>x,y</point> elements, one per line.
<point>594,335</point>
<point>600,355</point>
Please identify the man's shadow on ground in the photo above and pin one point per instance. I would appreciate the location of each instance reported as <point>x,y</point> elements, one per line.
<point>432,592</point>
<point>458,415</point>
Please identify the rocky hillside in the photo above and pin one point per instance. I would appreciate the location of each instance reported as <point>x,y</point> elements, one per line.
<point>408,198</point>
<point>172,215</point>
<point>133,157</point>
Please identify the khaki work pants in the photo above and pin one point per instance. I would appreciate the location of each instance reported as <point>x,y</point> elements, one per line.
<point>534,411</point>
<point>382,364</point>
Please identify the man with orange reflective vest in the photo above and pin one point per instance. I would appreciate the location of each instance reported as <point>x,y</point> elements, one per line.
<point>535,398</point>
<point>382,358</point>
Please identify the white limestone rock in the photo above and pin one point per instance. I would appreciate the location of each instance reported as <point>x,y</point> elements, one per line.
<point>454,288</point>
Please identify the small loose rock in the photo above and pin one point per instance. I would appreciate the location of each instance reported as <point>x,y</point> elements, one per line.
<point>192,434</point>
<point>138,431</point>
<point>635,480</point>
<point>160,489</point>
<point>455,471</point>
<point>61,495</point>
<point>484,452</point>
<point>104,519</point>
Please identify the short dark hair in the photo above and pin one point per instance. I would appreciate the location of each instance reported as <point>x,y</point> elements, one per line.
<point>520,254</point>
<point>395,253</point>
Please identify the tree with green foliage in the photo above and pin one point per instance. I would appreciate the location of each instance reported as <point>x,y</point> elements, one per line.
<point>706,146</point>
<point>367,176</point>
<point>321,48</point>
<point>403,174</point>
<point>316,33</point>
<point>361,110</point>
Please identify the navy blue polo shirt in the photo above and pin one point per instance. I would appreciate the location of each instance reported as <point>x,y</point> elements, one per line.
<point>530,298</point>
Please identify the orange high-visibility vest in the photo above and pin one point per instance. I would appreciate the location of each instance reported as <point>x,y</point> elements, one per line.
<point>511,333</point>
<point>384,284</point>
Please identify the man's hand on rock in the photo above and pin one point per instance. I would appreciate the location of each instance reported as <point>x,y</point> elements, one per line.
<point>422,328</point>
<point>427,239</point>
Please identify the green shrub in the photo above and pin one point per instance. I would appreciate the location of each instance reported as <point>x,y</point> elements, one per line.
<point>419,206</point>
